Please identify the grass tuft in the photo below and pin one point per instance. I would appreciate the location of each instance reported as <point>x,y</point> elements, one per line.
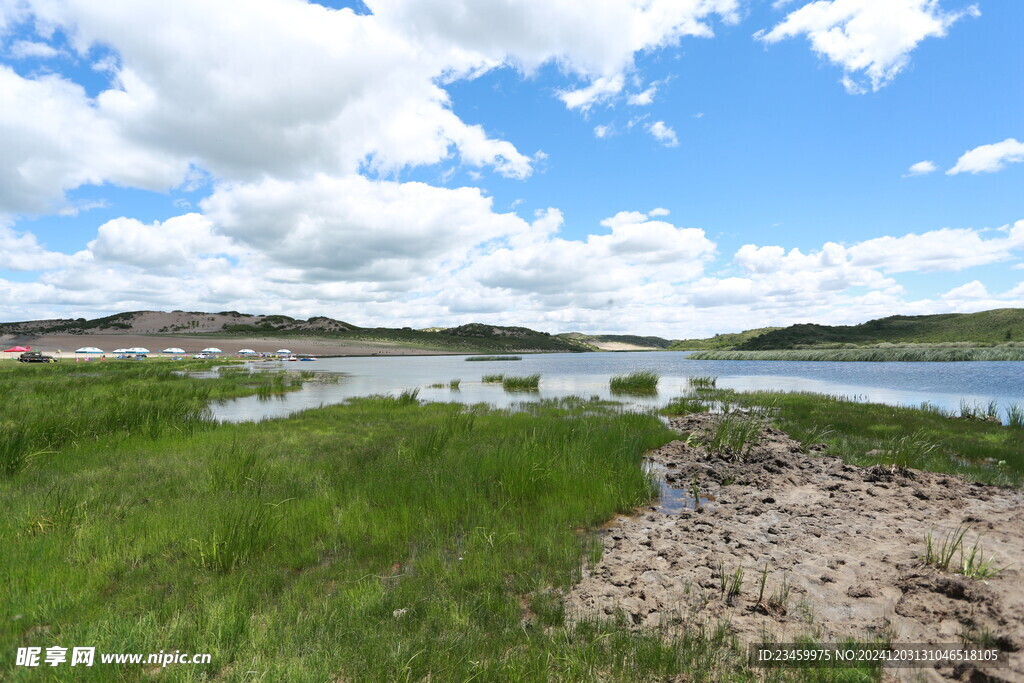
<point>979,411</point>
<point>972,563</point>
<point>521,382</point>
<point>640,382</point>
<point>684,405</point>
<point>736,432</point>
<point>492,379</point>
<point>702,382</point>
<point>1015,416</point>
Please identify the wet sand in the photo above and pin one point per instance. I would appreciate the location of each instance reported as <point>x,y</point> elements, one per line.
<point>848,541</point>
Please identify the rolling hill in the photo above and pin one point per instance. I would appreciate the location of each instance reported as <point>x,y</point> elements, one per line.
<point>987,327</point>
<point>471,338</point>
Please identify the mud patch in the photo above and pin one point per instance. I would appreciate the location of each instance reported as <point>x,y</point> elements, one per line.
<point>840,548</point>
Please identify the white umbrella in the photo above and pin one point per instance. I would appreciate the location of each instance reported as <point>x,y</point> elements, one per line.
<point>173,349</point>
<point>211,349</point>
<point>122,351</point>
<point>247,351</point>
<point>88,349</point>
<point>283,351</point>
<point>136,349</point>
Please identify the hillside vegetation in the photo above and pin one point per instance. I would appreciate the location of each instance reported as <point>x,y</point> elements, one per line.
<point>720,341</point>
<point>471,338</point>
<point>919,353</point>
<point>984,328</point>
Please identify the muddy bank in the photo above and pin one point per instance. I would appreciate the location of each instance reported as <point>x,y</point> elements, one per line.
<point>843,546</point>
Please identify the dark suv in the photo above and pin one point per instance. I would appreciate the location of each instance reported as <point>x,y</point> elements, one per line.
<point>36,357</point>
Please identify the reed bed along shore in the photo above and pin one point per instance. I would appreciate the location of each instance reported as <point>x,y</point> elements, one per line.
<point>379,540</point>
<point>639,382</point>
<point>900,354</point>
<point>494,358</point>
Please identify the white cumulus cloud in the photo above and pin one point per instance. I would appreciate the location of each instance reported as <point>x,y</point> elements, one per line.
<point>663,134</point>
<point>867,38</point>
<point>921,168</point>
<point>989,158</point>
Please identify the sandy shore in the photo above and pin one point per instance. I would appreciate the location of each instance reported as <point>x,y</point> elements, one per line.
<point>847,541</point>
<point>65,345</point>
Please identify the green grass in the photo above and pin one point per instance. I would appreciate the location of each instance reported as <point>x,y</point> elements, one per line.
<point>493,358</point>
<point>377,540</point>
<point>684,405</point>
<point>972,563</point>
<point>454,384</point>
<point>50,406</point>
<point>735,432</point>
<point>493,379</point>
<point>868,434</point>
<point>702,382</point>
<point>521,382</point>
<point>1015,416</point>
<point>639,382</point>
<point>979,411</point>
<point>900,354</point>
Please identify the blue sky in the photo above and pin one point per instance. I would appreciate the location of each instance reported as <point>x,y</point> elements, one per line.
<point>649,166</point>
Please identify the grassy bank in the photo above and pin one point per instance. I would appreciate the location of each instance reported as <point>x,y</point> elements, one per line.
<point>47,407</point>
<point>903,354</point>
<point>868,434</point>
<point>380,540</point>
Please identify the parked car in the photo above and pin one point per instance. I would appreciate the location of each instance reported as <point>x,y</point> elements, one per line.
<point>205,356</point>
<point>36,357</point>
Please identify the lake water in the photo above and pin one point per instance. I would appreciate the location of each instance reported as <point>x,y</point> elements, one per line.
<point>587,374</point>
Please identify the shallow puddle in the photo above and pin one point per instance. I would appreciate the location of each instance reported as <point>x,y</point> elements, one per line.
<point>672,500</point>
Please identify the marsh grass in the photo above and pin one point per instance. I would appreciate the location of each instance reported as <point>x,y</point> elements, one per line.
<point>521,382</point>
<point>639,382</point>
<point>685,405</point>
<point>866,434</point>
<point>902,451</point>
<point>941,555</point>
<point>492,379</point>
<point>735,431</point>
<point>815,436</point>
<point>909,354</point>
<point>493,358</point>
<point>702,382</point>
<point>1015,416</point>
<point>972,563</point>
<point>454,384</point>
<point>979,411</point>
<point>52,406</point>
<point>377,540</point>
